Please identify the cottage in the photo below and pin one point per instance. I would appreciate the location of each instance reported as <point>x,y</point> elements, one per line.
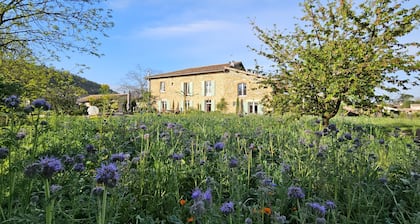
<point>223,87</point>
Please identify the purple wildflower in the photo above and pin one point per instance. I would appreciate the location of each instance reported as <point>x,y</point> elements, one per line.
<point>32,170</point>
<point>197,208</point>
<point>177,156</point>
<point>143,127</point>
<point>12,101</point>
<point>20,135</point>
<point>207,195</point>
<point>107,175</point>
<point>196,194</point>
<point>347,136</point>
<point>118,157</point>
<point>170,125</point>
<point>68,160</point>
<point>227,207</point>
<point>269,182</point>
<point>219,146</point>
<point>295,192</point>
<point>135,160</point>
<point>248,221</point>
<point>319,209</point>
<point>79,167</point>
<point>79,158</point>
<point>279,218</point>
<point>286,168</point>
<point>97,191</point>
<point>90,148</point>
<point>320,220</point>
<point>233,162</point>
<point>49,166</point>
<point>332,127</point>
<point>381,141</point>
<point>330,205</point>
<point>41,104</point>
<point>4,152</point>
<point>383,180</point>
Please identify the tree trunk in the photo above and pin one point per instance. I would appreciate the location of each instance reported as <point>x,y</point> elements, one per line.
<point>327,115</point>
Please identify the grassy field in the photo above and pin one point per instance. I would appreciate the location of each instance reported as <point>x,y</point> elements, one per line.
<point>208,168</point>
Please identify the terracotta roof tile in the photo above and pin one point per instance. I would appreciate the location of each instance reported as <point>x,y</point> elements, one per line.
<point>200,70</point>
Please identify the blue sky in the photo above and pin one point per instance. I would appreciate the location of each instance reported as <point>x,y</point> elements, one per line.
<point>168,35</point>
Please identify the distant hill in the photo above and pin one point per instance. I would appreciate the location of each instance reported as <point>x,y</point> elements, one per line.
<point>90,86</point>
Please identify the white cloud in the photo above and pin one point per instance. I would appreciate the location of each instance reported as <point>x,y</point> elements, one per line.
<point>186,29</point>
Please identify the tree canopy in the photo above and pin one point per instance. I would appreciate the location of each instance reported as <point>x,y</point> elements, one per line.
<point>342,52</point>
<point>42,28</point>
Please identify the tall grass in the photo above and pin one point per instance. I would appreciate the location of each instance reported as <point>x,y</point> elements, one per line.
<point>212,168</point>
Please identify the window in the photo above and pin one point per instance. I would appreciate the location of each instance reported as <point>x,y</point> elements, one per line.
<point>242,89</point>
<point>207,105</point>
<point>162,86</point>
<point>253,108</point>
<point>187,88</point>
<point>207,88</point>
<point>164,105</point>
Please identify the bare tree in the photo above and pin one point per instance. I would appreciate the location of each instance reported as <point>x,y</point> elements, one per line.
<point>136,84</point>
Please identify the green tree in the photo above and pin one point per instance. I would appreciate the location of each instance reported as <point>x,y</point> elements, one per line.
<point>105,89</point>
<point>341,53</point>
<point>222,105</point>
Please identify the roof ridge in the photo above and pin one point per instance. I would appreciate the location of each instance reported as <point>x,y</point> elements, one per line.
<point>200,70</point>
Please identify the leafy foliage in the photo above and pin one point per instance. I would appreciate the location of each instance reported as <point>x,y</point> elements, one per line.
<point>42,28</point>
<point>341,54</point>
<point>30,81</point>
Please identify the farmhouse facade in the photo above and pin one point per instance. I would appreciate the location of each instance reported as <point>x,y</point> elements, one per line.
<point>223,87</point>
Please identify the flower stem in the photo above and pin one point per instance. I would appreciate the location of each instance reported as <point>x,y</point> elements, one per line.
<point>49,203</point>
<point>102,208</point>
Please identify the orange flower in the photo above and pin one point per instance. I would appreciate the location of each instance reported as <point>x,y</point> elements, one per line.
<point>190,219</point>
<point>267,210</point>
<point>294,209</point>
<point>182,202</point>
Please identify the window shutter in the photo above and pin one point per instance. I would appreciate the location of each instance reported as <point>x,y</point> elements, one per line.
<point>159,103</point>
<point>181,106</point>
<point>213,88</point>
<point>182,88</point>
<point>260,108</point>
<point>213,105</point>
<point>190,88</point>
<point>246,107</point>
<point>203,106</point>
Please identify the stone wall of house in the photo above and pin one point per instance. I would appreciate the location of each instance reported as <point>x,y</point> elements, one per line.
<point>219,85</point>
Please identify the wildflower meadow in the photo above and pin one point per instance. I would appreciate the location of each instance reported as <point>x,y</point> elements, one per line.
<point>203,168</point>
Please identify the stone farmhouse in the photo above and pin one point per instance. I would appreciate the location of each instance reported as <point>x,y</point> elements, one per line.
<point>224,87</point>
